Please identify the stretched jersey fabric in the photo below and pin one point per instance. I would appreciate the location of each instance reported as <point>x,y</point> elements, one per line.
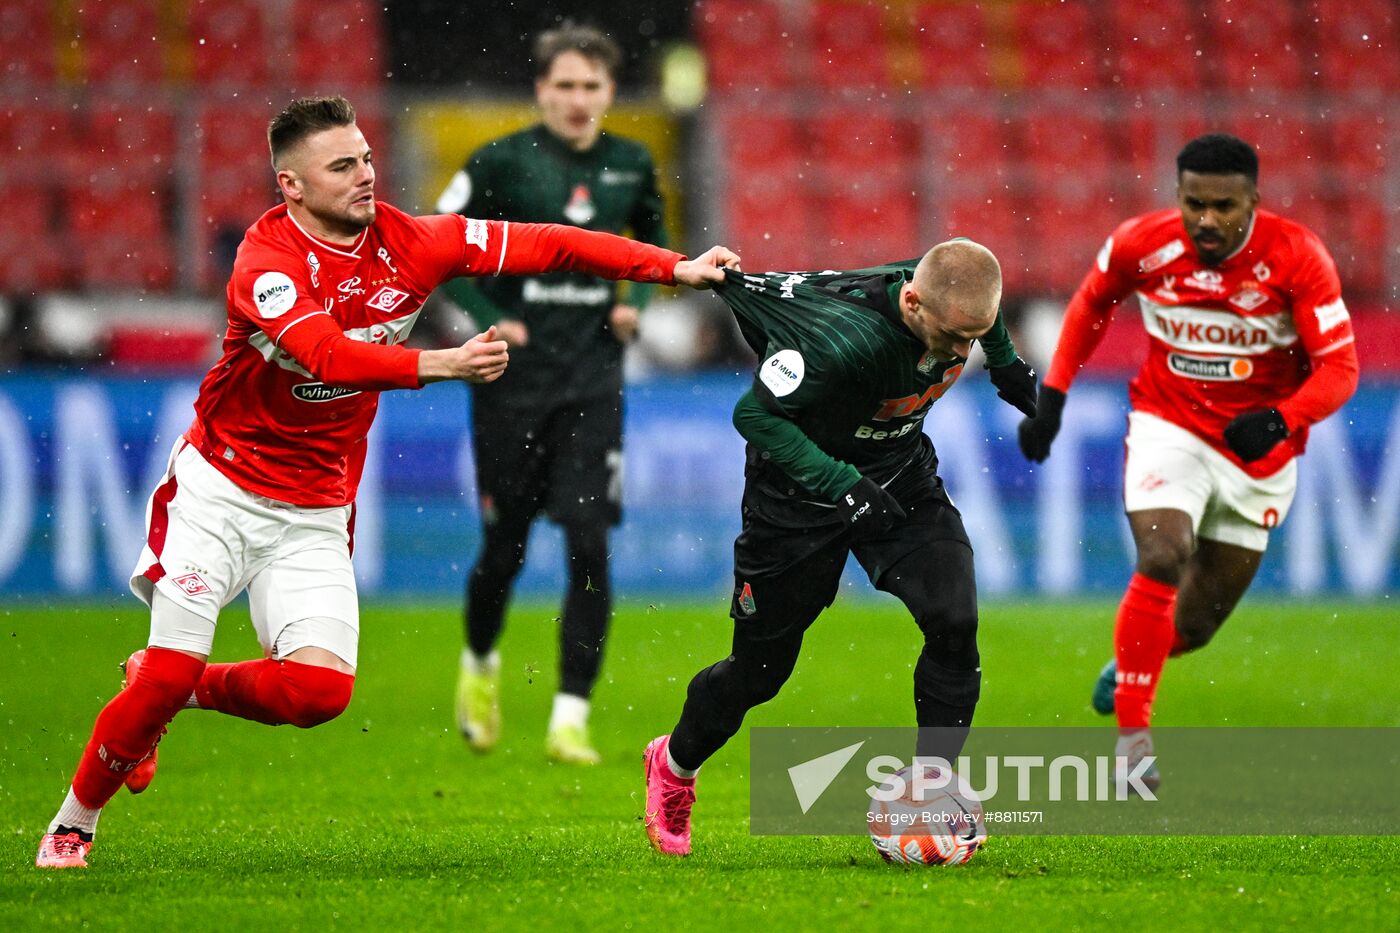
<point>285,411</point>
<point>532,176</point>
<point>1265,328</point>
<point>842,386</point>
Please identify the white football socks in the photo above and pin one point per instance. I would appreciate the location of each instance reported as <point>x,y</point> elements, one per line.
<point>75,816</point>
<point>477,666</point>
<point>569,710</point>
<point>677,770</point>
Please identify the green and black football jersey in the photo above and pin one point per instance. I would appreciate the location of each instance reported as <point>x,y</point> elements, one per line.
<point>842,385</point>
<point>533,177</point>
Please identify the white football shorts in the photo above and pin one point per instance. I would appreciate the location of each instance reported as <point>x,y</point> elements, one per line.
<point>209,539</point>
<point>1168,467</point>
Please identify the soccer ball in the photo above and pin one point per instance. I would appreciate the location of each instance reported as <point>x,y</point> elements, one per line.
<point>927,826</point>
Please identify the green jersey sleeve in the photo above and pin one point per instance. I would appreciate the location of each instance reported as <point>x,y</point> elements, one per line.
<point>996,343</point>
<point>792,451</point>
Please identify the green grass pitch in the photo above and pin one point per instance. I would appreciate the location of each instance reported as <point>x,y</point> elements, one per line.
<point>384,819</point>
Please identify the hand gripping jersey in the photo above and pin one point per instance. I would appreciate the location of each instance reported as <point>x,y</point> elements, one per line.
<point>286,410</point>
<point>1265,328</point>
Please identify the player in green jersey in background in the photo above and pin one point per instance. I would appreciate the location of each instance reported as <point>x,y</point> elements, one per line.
<point>838,463</point>
<point>548,435</point>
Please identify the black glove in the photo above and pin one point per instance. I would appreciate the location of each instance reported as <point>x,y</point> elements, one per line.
<point>1035,434</point>
<point>1015,384</point>
<point>1254,433</point>
<point>868,510</point>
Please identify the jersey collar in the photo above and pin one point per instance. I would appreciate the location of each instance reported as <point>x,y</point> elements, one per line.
<point>353,251</point>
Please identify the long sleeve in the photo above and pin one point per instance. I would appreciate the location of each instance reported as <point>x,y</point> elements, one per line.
<point>791,450</point>
<point>996,343</point>
<point>1333,380</point>
<point>318,345</point>
<point>1089,312</point>
<point>532,248</point>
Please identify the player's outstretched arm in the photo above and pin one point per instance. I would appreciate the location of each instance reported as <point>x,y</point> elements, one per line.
<point>707,269</point>
<point>481,359</point>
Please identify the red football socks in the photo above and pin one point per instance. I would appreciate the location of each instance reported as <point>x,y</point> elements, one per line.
<point>275,692</point>
<point>1142,637</point>
<point>129,725</point>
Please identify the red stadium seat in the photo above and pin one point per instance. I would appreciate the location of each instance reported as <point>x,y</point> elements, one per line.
<point>1060,143</point>
<point>953,46</point>
<point>847,47</point>
<point>865,223</point>
<point>1069,225</point>
<point>107,206</point>
<point>126,262</point>
<point>1286,140</point>
<point>1255,44</point>
<point>136,140</point>
<point>339,45</point>
<point>768,221</point>
<point>33,137</point>
<point>862,141</point>
<point>229,40</point>
<point>974,142</point>
<point>120,42</point>
<point>1154,46</point>
<point>991,216</point>
<point>233,182</point>
<point>1360,146</point>
<point>1059,43</point>
<point>745,43</point>
<point>764,142</point>
<point>1151,141</point>
<point>30,254</point>
<point>1365,257</point>
<point>1358,44</point>
<point>27,40</point>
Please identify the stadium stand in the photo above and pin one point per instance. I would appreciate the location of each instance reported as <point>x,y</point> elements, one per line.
<point>1042,124</point>
<point>952,47</point>
<point>132,151</point>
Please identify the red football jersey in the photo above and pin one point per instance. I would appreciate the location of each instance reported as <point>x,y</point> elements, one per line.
<point>266,422</point>
<point>1239,336</point>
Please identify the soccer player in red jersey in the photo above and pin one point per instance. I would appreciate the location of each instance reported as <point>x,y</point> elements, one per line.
<point>259,493</point>
<point>1250,344</point>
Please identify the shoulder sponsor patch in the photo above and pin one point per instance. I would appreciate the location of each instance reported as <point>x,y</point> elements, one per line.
<point>1161,257</point>
<point>274,294</point>
<point>477,233</point>
<point>1331,315</point>
<point>782,372</point>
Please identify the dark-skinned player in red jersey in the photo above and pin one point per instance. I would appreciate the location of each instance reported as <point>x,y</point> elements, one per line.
<point>259,492</point>
<point>1250,344</point>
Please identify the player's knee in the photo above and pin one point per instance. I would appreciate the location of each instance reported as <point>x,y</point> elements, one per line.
<point>1163,556</point>
<point>587,544</point>
<point>1194,632</point>
<point>953,685</point>
<point>169,673</point>
<point>314,695</point>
